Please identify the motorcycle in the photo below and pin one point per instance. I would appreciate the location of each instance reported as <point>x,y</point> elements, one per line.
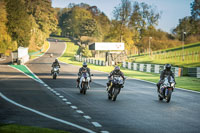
<point>115,88</point>
<point>55,72</point>
<point>166,89</point>
<point>84,82</point>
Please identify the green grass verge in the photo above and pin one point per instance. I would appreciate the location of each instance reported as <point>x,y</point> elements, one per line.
<point>26,129</point>
<point>189,83</point>
<point>172,56</point>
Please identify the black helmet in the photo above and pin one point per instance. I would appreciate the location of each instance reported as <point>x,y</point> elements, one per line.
<point>84,64</point>
<point>168,67</point>
<point>117,68</point>
<point>56,60</point>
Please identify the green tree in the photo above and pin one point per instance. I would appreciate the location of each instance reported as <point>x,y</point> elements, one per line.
<point>190,25</point>
<point>122,14</point>
<point>5,39</point>
<point>89,28</point>
<point>19,26</point>
<point>195,11</point>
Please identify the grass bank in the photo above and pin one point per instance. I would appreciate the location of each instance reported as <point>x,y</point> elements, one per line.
<point>26,129</point>
<point>189,83</point>
<point>34,54</point>
<point>174,56</point>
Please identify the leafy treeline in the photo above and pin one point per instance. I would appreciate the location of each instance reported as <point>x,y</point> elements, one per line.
<point>25,23</point>
<point>134,24</point>
<point>188,28</point>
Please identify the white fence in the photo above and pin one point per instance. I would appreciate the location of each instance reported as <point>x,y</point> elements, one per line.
<point>153,68</point>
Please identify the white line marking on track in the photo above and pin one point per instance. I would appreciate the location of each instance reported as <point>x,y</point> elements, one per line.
<point>47,116</point>
<point>87,117</point>
<point>49,88</point>
<point>64,99</point>
<point>79,111</point>
<point>104,132</point>
<point>61,96</point>
<point>96,124</point>
<point>68,103</point>
<point>74,107</point>
<point>58,94</point>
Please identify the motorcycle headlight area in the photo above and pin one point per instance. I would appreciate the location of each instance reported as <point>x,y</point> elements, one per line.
<point>172,84</point>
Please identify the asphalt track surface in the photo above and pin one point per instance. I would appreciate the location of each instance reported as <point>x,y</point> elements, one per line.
<point>136,110</point>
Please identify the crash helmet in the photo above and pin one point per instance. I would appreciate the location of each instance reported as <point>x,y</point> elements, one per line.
<point>56,60</point>
<point>84,64</point>
<point>168,67</point>
<point>117,69</point>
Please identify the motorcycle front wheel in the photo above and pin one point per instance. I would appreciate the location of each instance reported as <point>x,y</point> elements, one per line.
<point>168,97</point>
<point>115,93</point>
<point>54,76</point>
<point>160,98</point>
<point>84,88</point>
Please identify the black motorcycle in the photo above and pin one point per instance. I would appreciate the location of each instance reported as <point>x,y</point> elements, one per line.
<point>166,89</point>
<point>115,87</point>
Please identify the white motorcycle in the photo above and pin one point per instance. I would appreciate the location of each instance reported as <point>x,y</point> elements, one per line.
<point>84,83</point>
<point>166,89</point>
<point>55,72</point>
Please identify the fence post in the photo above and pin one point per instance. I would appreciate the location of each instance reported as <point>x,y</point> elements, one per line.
<point>148,68</point>
<point>124,64</point>
<point>157,68</point>
<point>129,65</point>
<point>198,72</point>
<point>135,66</point>
<point>141,67</point>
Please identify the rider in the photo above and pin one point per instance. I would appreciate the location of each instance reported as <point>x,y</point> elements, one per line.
<point>166,72</point>
<point>84,67</point>
<point>55,64</point>
<point>115,72</point>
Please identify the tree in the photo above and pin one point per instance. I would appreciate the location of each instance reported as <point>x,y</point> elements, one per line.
<point>89,28</point>
<point>19,26</point>
<point>195,11</point>
<point>122,14</point>
<point>190,25</point>
<point>5,39</point>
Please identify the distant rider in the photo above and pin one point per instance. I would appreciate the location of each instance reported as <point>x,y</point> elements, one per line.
<point>115,72</point>
<point>55,64</point>
<point>83,68</point>
<point>166,72</point>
